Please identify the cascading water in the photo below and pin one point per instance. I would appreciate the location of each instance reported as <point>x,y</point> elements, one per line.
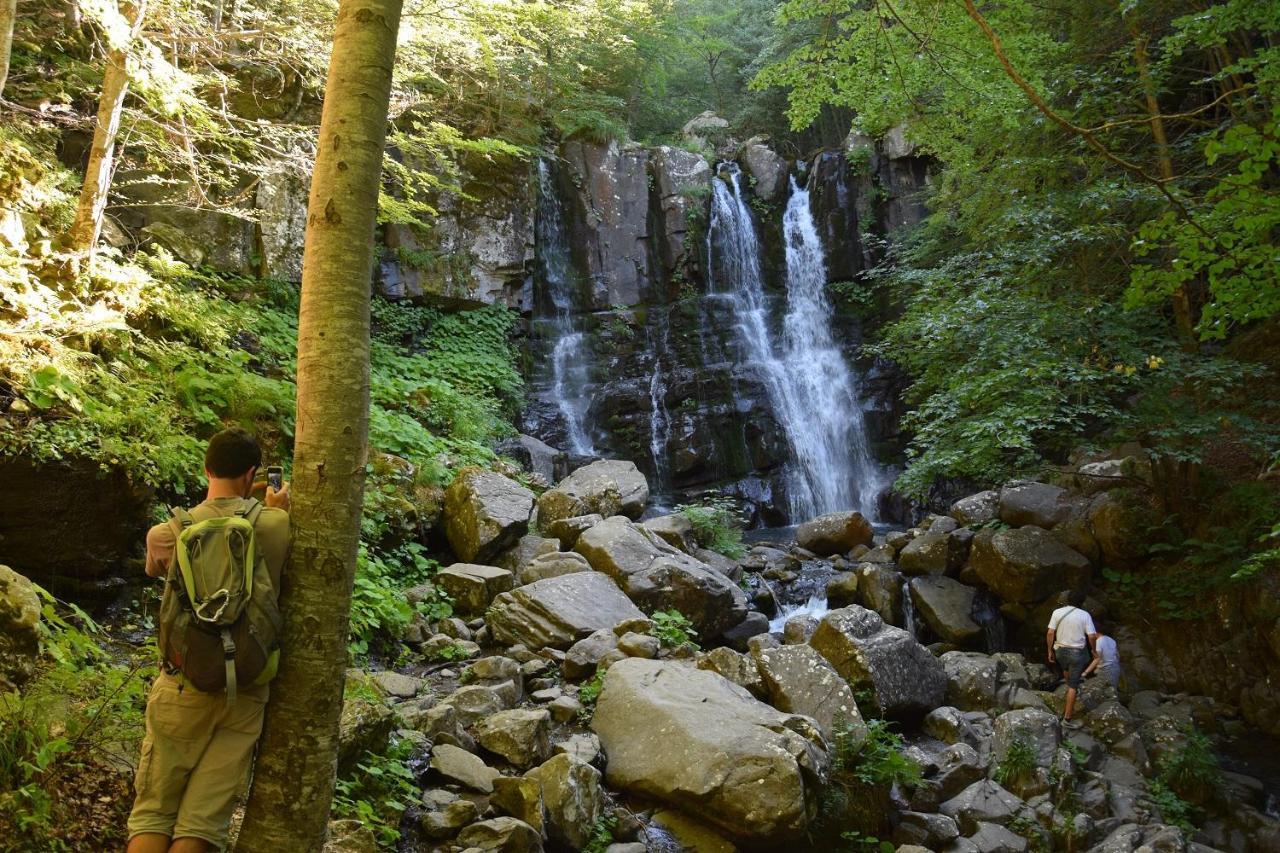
<point>659,415</point>
<point>908,610</point>
<point>834,456</point>
<point>810,388</point>
<point>569,357</point>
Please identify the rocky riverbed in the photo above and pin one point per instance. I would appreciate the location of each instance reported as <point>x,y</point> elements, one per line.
<point>575,723</point>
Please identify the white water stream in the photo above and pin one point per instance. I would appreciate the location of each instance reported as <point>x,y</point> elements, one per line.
<point>570,359</point>
<point>811,389</point>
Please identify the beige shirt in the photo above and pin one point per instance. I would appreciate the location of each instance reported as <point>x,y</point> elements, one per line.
<point>271,533</point>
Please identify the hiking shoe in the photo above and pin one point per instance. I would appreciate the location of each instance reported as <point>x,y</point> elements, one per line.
<point>1073,725</point>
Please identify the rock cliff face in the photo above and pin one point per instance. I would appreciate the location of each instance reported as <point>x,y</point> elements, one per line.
<point>636,353</point>
<point>665,381</point>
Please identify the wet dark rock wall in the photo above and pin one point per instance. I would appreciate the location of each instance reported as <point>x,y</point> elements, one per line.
<point>637,221</point>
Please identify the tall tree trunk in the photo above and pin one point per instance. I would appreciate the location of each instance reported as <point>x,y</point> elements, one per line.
<point>8,12</point>
<point>97,177</point>
<point>288,806</point>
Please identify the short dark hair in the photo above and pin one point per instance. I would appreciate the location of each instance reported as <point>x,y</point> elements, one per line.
<point>232,453</point>
<point>1076,597</point>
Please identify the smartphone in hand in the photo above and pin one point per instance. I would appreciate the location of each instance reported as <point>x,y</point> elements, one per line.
<point>275,477</point>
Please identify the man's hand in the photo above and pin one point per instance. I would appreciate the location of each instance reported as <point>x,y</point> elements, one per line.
<point>278,499</point>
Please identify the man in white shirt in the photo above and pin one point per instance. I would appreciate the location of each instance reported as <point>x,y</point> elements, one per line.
<point>1071,644</point>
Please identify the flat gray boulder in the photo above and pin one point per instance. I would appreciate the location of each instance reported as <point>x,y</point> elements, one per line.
<point>472,587</point>
<point>977,509</point>
<point>607,487</point>
<point>946,606</point>
<point>800,681</point>
<point>926,554</point>
<point>573,797</point>
<point>485,513</point>
<point>657,576</point>
<point>834,533</point>
<point>905,679</point>
<point>693,739</point>
<point>559,611</point>
<point>458,765</point>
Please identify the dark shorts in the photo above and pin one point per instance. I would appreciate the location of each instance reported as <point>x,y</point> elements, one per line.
<point>1073,663</point>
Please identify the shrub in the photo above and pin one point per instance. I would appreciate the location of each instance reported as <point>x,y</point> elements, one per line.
<point>377,792</point>
<point>715,526</point>
<point>588,694</point>
<point>1018,763</point>
<point>673,629</point>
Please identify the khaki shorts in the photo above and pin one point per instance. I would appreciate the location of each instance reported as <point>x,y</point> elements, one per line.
<point>195,760</point>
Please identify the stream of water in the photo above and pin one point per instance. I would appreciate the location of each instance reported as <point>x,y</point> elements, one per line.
<point>570,358</point>
<point>811,389</point>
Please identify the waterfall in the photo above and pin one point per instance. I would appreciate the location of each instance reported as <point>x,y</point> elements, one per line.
<point>831,445</point>
<point>810,388</point>
<point>659,415</point>
<point>554,307</point>
<point>908,610</point>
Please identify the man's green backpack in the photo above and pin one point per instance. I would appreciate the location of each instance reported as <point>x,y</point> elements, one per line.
<point>219,621</point>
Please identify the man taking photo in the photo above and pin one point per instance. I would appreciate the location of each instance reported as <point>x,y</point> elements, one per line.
<point>218,620</point>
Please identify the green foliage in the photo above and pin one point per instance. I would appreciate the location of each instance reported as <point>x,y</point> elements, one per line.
<point>451,652</point>
<point>674,629</point>
<point>1037,295</point>
<point>1193,772</point>
<point>588,693</point>
<point>715,525</point>
<point>601,834</point>
<point>379,611</point>
<point>377,792</point>
<point>858,842</point>
<point>1173,809</point>
<point>78,711</point>
<point>875,759</point>
<point>1018,763</point>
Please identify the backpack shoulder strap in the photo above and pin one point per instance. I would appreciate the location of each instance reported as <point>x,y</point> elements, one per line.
<point>251,510</point>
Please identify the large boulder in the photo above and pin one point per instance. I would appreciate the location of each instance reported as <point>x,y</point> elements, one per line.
<point>1026,565</point>
<point>573,797</point>
<point>282,219</point>
<point>559,611</point>
<point>977,509</point>
<point>905,680</point>
<point>982,802</point>
<point>800,681</point>
<point>766,168</point>
<point>473,587</point>
<point>946,606</point>
<point>657,576</point>
<point>690,738</point>
<point>834,533</point>
<point>19,628</point>
<point>520,735</point>
<point>485,513</point>
<point>682,181</point>
<point>927,554</point>
<point>607,487</point>
<point>501,835</point>
<point>881,590</point>
<point>973,680</point>
<point>1025,747</point>
<point>459,766</point>
<point>1117,528</point>
<point>1036,503</point>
